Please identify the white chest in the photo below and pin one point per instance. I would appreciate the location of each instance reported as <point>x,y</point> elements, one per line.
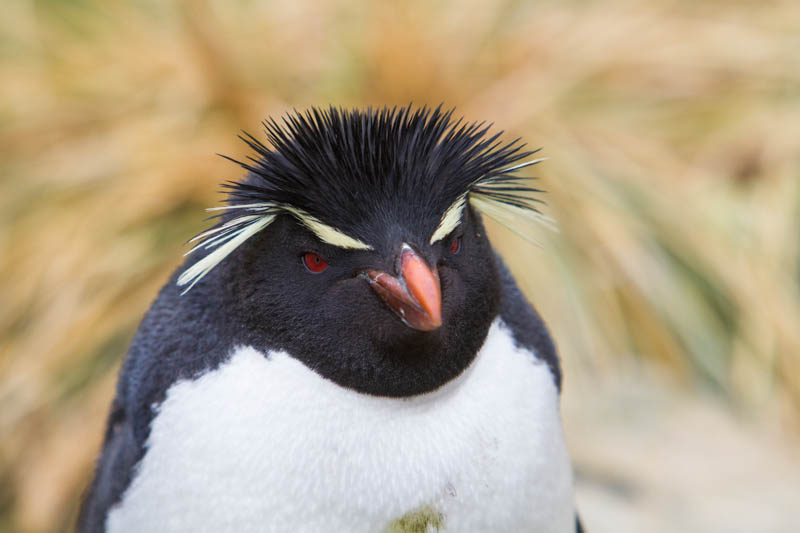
<point>265,444</point>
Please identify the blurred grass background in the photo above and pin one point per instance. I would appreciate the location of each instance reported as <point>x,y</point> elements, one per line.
<point>672,127</point>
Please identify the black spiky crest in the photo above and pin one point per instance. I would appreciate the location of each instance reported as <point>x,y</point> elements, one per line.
<point>349,169</point>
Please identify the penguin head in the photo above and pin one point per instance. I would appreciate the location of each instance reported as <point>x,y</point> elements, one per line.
<point>355,245</point>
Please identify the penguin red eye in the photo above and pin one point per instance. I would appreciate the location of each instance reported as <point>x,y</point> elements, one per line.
<point>314,263</point>
<point>455,246</point>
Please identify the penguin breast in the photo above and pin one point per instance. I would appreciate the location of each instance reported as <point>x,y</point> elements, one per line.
<point>263,443</point>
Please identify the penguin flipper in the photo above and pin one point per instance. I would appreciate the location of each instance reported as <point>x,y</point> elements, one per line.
<point>527,326</point>
<point>113,471</point>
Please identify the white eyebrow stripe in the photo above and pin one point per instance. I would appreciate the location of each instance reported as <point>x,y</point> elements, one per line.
<point>223,228</point>
<point>512,217</point>
<point>327,233</point>
<point>450,220</point>
<point>197,271</point>
<point>255,207</point>
<point>224,239</point>
<point>323,231</point>
<point>525,164</point>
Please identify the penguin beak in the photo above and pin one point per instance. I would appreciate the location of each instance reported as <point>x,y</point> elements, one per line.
<point>414,295</point>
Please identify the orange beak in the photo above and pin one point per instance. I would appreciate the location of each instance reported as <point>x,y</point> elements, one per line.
<point>415,296</point>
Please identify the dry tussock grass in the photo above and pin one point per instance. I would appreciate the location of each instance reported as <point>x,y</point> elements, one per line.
<point>673,130</point>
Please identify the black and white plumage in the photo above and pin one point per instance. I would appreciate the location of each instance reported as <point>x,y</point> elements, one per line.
<point>344,351</point>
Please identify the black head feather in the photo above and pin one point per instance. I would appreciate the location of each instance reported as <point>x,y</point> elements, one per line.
<point>348,167</point>
<point>369,175</point>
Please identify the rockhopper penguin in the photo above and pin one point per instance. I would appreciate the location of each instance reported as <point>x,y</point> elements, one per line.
<point>343,351</point>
